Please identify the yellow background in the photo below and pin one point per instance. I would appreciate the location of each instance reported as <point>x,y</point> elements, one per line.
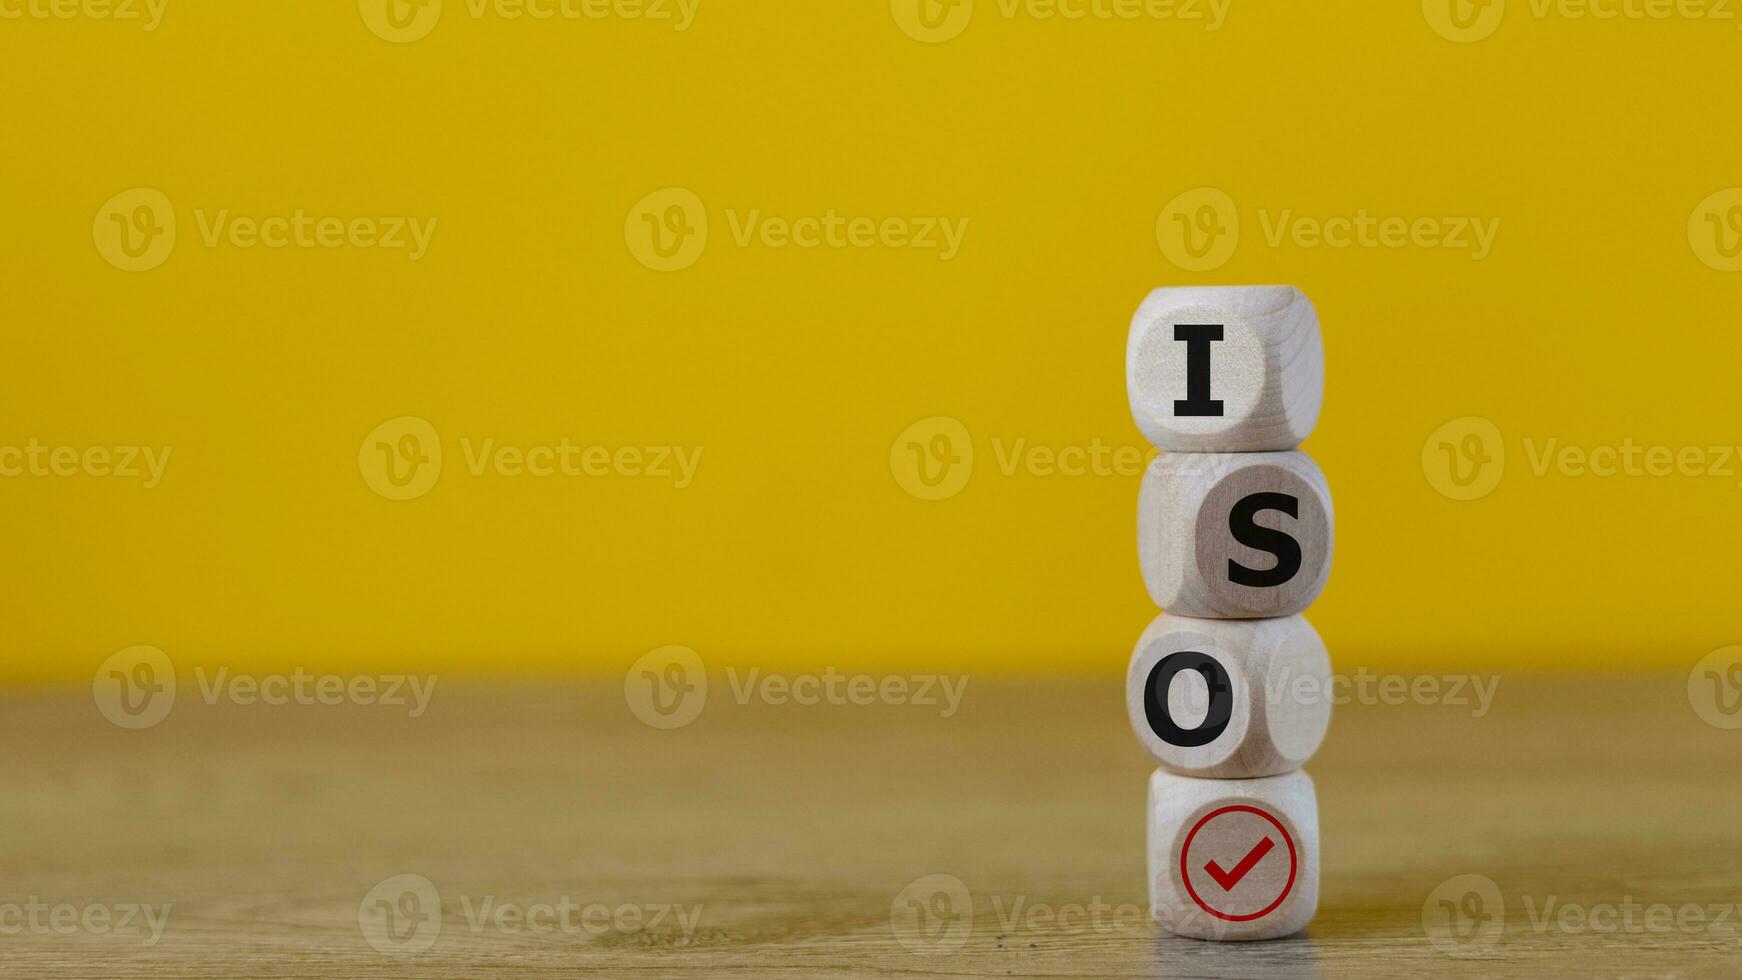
<point>1060,141</point>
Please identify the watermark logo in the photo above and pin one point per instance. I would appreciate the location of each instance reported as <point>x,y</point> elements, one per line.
<point>667,230</point>
<point>400,21</point>
<point>38,459</point>
<point>936,21</point>
<point>933,458</point>
<point>135,230</point>
<point>1464,21</point>
<point>1465,458</point>
<point>1189,695</point>
<point>667,687</point>
<point>932,21</point>
<point>833,687</point>
<point>304,688</point>
<point>401,916</point>
<point>1199,229</point>
<point>1464,915</point>
<point>149,13</point>
<point>651,922</point>
<point>127,920</point>
<point>933,914</point>
<point>1715,230</point>
<point>1715,688</point>
<point>135,688</point>
<point>401,458</point>
<point>300,229</point>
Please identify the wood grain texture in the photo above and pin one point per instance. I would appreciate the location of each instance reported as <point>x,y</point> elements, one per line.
<point>1266,369</point>
<point>1275,675</point>
<point>1186,537</point>
<point>796,828</point>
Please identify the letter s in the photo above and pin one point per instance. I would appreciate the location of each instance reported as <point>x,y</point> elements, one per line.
<point>1243,525</point>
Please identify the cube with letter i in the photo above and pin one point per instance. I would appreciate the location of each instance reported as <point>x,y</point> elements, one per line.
<point>1228,690</point>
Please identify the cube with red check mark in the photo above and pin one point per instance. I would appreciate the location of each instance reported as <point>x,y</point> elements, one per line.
<point>1233,859</point>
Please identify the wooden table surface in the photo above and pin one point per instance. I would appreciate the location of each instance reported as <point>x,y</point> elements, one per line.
<point>1603,809</point>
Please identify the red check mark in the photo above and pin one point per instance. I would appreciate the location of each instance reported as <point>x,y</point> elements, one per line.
<point>1228,879</point>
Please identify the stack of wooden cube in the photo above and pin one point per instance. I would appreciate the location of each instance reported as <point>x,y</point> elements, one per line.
<point>1229,689</point>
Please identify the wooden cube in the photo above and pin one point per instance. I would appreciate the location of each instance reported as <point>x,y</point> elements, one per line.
<point>1233,859</point>
<point>1229,699</point>
<point>1225,368</point>
<point>1234,535</point>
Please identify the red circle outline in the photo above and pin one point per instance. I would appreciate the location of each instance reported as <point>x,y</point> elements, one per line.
<point>1185,871</point>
